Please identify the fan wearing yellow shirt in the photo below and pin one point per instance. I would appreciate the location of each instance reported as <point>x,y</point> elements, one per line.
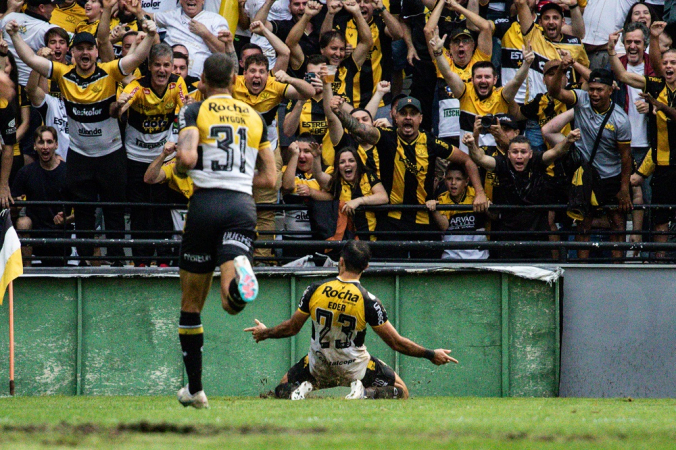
<point>67,15</point>
<point>96,158</point>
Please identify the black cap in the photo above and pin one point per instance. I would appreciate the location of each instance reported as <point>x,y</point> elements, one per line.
<point>83,38</point>
<point>545,5</point>
<point>409,101</point>
<point>41,2</point>
<point>601,76</point>
<point>508,121</point>
<point>461,32</point>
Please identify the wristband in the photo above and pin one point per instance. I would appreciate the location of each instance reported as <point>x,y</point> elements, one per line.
<point>439,53</point>
<point>380,10</point>
<point>429,354</point>
<point>574,6</point>
<point>3,54</point>
<point>612,54</point>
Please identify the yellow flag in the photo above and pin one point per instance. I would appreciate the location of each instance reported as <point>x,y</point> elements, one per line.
<point>230,10</point>
<point>10,253</point>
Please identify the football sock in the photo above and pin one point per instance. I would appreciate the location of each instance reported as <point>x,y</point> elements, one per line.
<point>191,334</point>
<point>235,298</point>
<point>285,390</point>
<point>382,392</point>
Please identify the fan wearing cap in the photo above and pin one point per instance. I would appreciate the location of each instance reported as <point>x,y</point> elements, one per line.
<point>479,97</point>
<point>34,24</point>
<point>407,157</point>
<point>612,163</point>
<point>547,40</point>
<point>521,175</point>
<point>661,160</point>
<point>463,52</point>
<point>96,158</point>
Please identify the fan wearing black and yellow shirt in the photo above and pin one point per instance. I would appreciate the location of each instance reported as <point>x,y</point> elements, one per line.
<point>480,98</point>
<point>8,134</point>
<point>464,51</point>
<point>407,160</point>
<point>660,162</point>
<point>384,28</point>
<point>299,186</point>
<point>332,44</point>
<point>96,160</point>
<point>67,15</point>
<point>547,41</point>
<point>340,311</point>
<point>151,103</point>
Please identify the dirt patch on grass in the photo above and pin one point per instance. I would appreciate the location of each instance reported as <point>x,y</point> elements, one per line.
<point>145,427</point>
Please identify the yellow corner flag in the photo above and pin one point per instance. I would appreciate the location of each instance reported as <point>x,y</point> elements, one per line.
<point>230,11</point>
<point>10,253</point>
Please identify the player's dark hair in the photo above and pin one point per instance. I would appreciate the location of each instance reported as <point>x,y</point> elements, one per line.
<point>306,138</point>
<point>258,59</point>
<point>356,256</point>
<point>249,46</point>
<point>483,65</point>
<point>63,34</point>
<point>316,60</point>
<point>159,51</point>
<point>457,167</point>
<point>335,184</point>
<point>520,139</point>
<point>326,38</point>
<point>362,110</point>
<point>218,70</point>
<point>41,129</point>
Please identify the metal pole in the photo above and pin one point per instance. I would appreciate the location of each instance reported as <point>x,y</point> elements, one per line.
<point>11,338</point>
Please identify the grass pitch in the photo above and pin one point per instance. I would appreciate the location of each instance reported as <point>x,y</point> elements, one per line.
<point>419,423</point>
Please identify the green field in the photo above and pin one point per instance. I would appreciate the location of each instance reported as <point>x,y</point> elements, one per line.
<point>419,423</point>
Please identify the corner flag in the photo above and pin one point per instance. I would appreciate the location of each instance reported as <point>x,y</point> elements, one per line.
<point>10,253</point>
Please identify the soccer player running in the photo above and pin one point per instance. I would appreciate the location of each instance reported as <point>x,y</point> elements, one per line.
<point>340,310</point>
<point>221,221</point>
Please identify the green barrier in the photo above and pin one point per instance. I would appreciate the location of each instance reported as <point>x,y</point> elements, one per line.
<point>118,335</point>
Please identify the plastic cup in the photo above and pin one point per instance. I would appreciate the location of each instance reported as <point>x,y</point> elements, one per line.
<point>330,75</point>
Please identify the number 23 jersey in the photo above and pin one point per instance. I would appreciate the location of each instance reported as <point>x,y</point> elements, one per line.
<point>230,135</point>
<point>340,311</point>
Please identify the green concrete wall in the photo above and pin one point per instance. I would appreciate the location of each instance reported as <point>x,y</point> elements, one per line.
<point>119,335</point>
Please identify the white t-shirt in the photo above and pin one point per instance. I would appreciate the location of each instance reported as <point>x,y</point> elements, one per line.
<point>639,122</point>
<point>177,23</point>
<point>32,31</point>
<point>55,116</point>
<point>157,6</point>
<point>603,17</point>
<point>279,11</point>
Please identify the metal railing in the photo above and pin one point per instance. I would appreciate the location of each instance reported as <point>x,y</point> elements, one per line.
<point>562,250</point>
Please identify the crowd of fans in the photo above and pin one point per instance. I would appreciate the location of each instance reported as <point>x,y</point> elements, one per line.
<point>368,102</point>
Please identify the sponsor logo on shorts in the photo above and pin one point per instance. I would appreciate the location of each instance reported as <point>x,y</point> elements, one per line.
<point>238,240</point>
<point>150,145</point>
<point>94,132</point>
<point>203,258</point>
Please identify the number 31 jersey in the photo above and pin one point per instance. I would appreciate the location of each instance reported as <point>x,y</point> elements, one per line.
<point>230,135</point>
<point>340,311</point>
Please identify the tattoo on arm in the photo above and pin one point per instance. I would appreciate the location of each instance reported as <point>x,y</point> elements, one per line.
<point>365,132</point>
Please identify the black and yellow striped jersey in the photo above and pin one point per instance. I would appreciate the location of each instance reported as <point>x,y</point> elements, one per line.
<point>461,220</point>
<point>183,185</point>
<point>465,73</point>
<point>378,65</point>
<point>508,31</point>
<point>340,311</point>
<point>230,135</point>
<point>543,108</point>
<point>407,170</point>
<point>192,84</point>
<point>665,139</point>
<point>151,116</point>
<point>93,132</point>
<point>546,50</point>
<point>471,106</point>
<point>369,157</point>
<point>92,27</point>
<point>313,121</point>
<point>266,101</point>
<point>364,221</point>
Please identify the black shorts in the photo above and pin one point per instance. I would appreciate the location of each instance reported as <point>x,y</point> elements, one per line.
<point>664,193</point>
<point>220,226</point>
<point>606,190</point>
<point>378,373</point>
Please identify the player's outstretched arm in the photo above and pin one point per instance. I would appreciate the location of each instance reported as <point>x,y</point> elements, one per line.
<point>406,346</point>
<point>285,329</point>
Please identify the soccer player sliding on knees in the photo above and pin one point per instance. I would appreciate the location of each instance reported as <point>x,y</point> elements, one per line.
<point>340,310</point>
